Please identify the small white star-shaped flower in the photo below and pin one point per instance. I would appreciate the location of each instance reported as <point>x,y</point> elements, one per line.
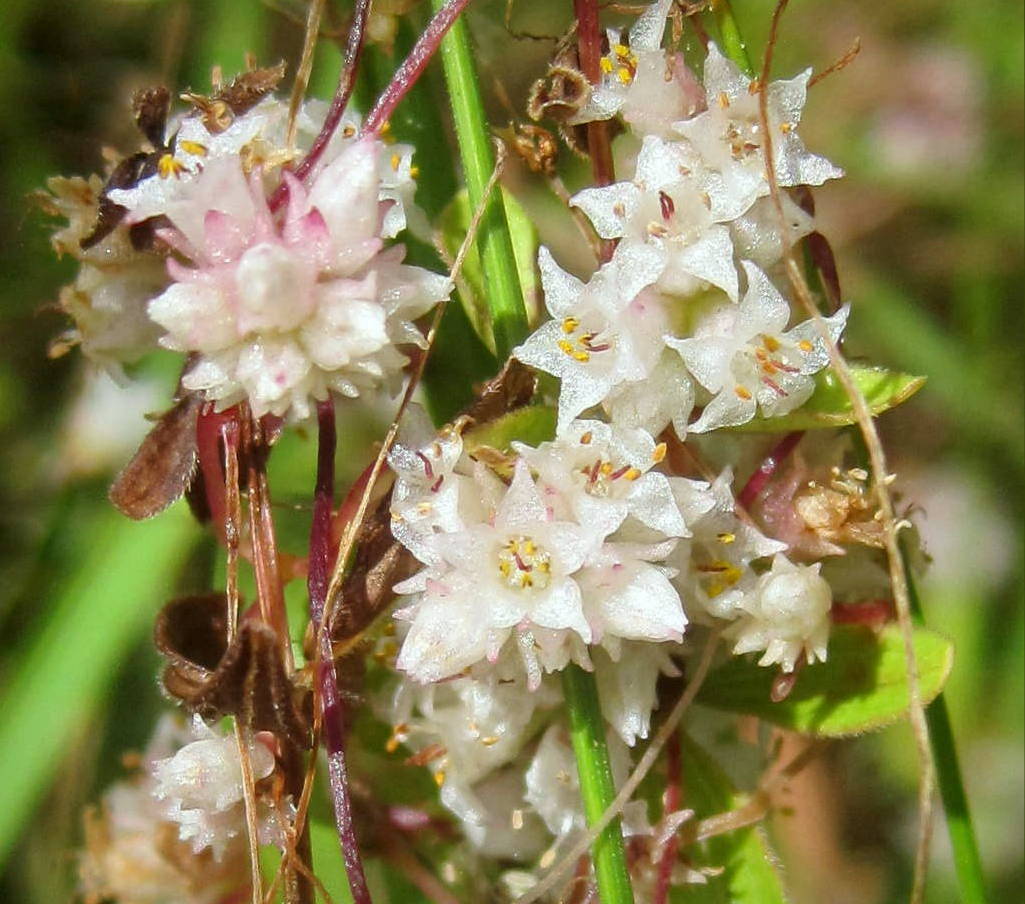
<point>668,208</point>
<point>603,333</point>
<point>744,358</point>
<point>728,135</point>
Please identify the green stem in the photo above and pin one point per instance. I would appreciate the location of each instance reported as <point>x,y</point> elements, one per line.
<point>967,862</point>
<point>502,283</point>
<point>597,788</point>
<point>730,39</point>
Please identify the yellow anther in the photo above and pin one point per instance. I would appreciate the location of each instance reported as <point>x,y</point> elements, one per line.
<point>786,127</point>
<point>805,346</point>
<point>585,440</point>
<point>622,51</point>
<point>624,75</point>
<point>659,453</point>
<point>489,741</point>
<point>606,65</point>
<point>723,99</point>
<point>439,777</point>
<point>570,324</point>
<point>742,392</point>
<point>395,161</point>
<point>414,172</point>
<point>168,166</point>
<point>193,147</point>
<point>632,474</point>
<point>348,131</point>
<point>771,343</point>
<point>385,128</point>
<point>726,537</point>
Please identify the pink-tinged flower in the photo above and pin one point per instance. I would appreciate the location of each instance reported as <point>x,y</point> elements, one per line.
<point>641,82</point>
<point>603,334</point>
<point>281,314</point>
<point>667,207</point>
<point>743,355</point>
<point>728,135</point>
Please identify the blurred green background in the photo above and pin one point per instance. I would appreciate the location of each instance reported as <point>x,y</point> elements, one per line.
<point>928,229</point>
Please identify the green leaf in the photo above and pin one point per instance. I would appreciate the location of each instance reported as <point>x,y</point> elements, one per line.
<point>92,622</point>
<point>454,223</point>
<point>829,406</point>
<point>861,687</point>
<point>749,876</point>
<point>531,425</point>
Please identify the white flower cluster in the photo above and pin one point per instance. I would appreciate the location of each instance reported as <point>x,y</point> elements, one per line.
<point>175,831</point>
<point>585,549</point>
<point>275,308</point>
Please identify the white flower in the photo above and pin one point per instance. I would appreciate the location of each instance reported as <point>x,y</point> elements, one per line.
<point>786,615</point>
<point>531,569</point>
<point>667,207</point>
<point>758,237</point>
<point>514,569</point>
<point>107,300</point>
<point>553,785</point>
<point>728,135</point>
<point>425,497</point>
<point>627,686</point>
<point>714,574</point>
<point>602,474</point>
<point>741,354</point>
<point>129,855</point>
<point>202,790</point>
<point>281,316</point>
<point>665,397</point>
<point>649,88</point>
<point>603,333</point>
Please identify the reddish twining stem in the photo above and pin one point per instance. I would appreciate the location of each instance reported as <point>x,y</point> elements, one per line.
<point>346,82</point>
<point>761,477</point>
<point>672,800</point>
<point>413,66</point>
<point>209,425</point>
<point>269,590</point>
<point>598,145</point>
<point>328,697</point>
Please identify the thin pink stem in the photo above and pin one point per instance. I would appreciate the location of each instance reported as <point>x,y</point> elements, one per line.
<point>339,103</point>
<point>328,697</point>
<point>761,477</point>
<point>413,66</point>
<point>209,425</point>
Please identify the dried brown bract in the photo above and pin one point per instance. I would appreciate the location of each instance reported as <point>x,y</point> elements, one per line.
<point>162,469</point>
<point>236,98</point>
<point>537,147</point>
<point>513,388</point>
<point>246,678</point>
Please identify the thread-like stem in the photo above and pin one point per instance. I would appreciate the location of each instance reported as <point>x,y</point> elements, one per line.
<point>770,464</point>
<point>413,66</point>
<point>328,697</point>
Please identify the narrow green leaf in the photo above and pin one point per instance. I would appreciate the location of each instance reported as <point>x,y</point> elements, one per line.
<point>730,39</point>
<point>454,223</point>
<point>861,687</point>
<point>99,613</point>
<point>829,405</point>
<point>749,874</point>
<point>502,285</point>
<point>531,425</point>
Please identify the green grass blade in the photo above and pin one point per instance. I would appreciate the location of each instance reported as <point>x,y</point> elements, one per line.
<point>67,668</point>
<point>597,789</point>
<point>504,295</point>
<point>731,42</point>
<point>967,862</point>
